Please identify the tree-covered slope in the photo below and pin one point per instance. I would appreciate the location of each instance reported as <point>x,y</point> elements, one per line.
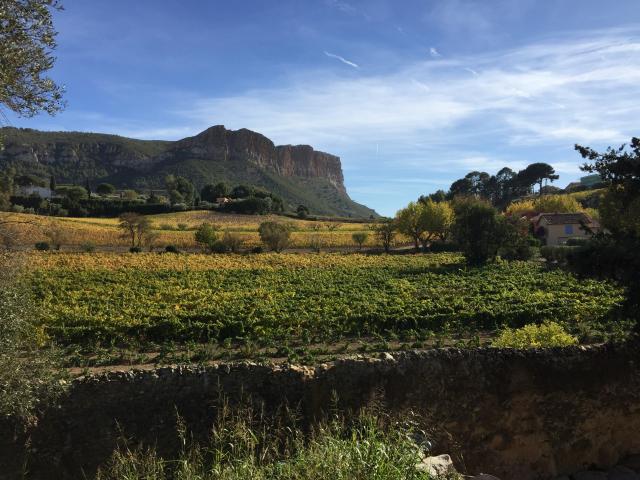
<point>299,174</point>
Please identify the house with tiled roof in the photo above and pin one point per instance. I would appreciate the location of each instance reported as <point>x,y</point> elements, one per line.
<point>557,228</point>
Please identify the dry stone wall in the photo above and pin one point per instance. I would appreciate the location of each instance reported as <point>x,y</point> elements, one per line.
<point>521,415</point>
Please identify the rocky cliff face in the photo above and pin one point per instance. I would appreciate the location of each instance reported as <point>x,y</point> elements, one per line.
<point>219,144</point>
<point>104,155</point>
<point>304,161</point>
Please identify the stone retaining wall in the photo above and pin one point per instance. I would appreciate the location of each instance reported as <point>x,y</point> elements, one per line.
<point>517,414</point>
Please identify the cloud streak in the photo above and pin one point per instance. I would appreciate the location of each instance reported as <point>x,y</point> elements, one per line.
<point>342,6</point>
<point>342,59</point>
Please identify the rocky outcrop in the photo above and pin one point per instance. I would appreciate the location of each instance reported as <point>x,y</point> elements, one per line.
<point>219,144</point>
<point>304,161</point>
<point>101,156</point>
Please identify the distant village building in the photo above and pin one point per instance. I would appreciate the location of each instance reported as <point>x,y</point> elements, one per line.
<point>223,200</point>
<point>557,228</point>
<point>28,190</point>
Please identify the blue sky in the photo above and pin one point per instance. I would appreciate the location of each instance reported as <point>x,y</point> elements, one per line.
<point>410,94</point>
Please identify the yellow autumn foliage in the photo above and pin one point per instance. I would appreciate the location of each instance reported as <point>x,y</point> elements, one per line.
<point>545,204</point>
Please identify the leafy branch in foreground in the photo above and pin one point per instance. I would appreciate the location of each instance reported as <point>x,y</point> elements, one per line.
<point>614,252</point>
<point>27,40</point>
<point>29,373</point>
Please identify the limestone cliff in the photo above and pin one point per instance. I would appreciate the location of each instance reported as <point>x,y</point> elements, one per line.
<point>219,144</point>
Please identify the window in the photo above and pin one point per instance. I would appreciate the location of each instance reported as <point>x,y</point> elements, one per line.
<point>568,229</point>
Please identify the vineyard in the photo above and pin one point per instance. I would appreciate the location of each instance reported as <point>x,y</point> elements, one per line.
<point>177,229</point>
<point>271,298</point>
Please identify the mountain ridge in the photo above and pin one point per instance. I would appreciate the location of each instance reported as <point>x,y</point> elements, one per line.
<point>298,173</point>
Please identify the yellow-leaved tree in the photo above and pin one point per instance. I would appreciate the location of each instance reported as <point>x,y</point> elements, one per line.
<point>545,204</point>
<point>409,222</point>
<point>436,219</point>
<point>521,208</point>
<point>425,221</point>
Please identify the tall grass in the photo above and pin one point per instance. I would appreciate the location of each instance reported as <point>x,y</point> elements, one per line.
<point>245,446</point>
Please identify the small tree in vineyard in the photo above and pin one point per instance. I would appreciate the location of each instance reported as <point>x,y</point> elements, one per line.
<point>360,238</point>
<point>385,232</point>
<point>134,228</point>
<point>275,235</point>
<point>207,236</point>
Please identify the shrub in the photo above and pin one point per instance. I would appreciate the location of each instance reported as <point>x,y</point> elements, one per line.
<point>533,241</point>
<point>130,195</point>
<point>577,242</point>
<point>439,247</point>
<point>518,247</point>
<point>210,192</point>
<point>479,231</point>
<point>556,254</point>
<point>218,247</point>
<point>135,249</point>
<point>249,206</point>
<point>516,242</point>
<point>182,226</point>
<point>42,246</point>
<point>302,211</point>
<point>105,189</point>
<point>316,243</point>
<point>549,334</point>
<point>241,191</point>
<point>257,249</point>
<point>171,249</point>
<point>58,211</point>
<point>88,247</point>
<point>207,236</point>
<point>385,232</point>
<point>275,235</point>
<point>57,236</point>
<point>232,242</point>
<point>359,238</point>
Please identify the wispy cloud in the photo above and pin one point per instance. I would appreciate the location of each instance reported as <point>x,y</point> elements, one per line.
<point>342,6</point>
<point>554,93</point>
<point>471,71</point>
<point>342,59</point>
<point>434,52</point>
<point>475,18</point>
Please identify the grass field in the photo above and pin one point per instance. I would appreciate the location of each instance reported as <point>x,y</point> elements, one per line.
<point>274,299</point>
<point>178,229</point>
